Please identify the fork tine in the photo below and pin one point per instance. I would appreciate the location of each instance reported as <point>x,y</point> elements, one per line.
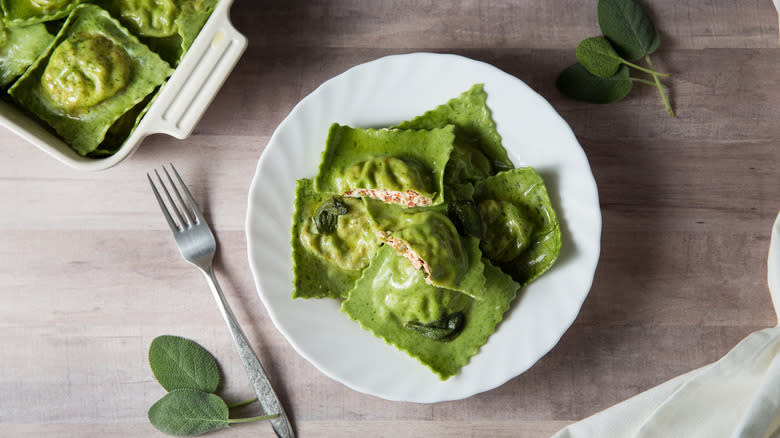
<point>164,209</point>
<point>198,215</point>
<point>172,204</point>
<point>190,222</point>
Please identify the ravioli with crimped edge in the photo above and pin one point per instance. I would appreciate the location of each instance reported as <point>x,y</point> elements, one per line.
<point>424,231</point>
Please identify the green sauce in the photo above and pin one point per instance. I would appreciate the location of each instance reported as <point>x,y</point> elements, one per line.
<point>467,164</point>
<point>350,245</point>
<point>408,298</point>
<point>388,161</point>
<point>506,230</point>
<point>49,6</point>
<point>434,238</point>
<point>85,70</point>
<point>388,173</point>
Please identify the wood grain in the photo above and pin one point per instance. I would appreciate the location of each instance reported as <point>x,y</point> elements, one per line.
<point>89,275</point>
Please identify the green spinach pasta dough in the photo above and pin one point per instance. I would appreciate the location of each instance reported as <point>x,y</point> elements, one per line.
<point>424,231</point>
<point>153,18</point>
<point>429,240</point>
<point>19,48</point>
<point>478,150</point>
<point>516,203</point>
<point>404,167</point>
<point>368,304</point>
<point>26,12</point>
<point>169,27</point>
<point>327,262</point>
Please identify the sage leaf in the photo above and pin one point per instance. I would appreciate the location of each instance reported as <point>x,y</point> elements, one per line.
<point>327,215</point>
<point>628,27</point>
<point>177,363</point>
<point>598,56</point>
<point>187,412</point>
<point>578,83</point>
<point>444,329</point>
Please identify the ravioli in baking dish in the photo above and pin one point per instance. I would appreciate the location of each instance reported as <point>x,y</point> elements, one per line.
<point>93,73</point>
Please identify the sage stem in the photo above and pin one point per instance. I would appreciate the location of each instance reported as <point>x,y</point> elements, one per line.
<point>242,403</point>
<point>650,70</point>
<point>250,419</point>
<point>660,88</point>
<point>642,81</point>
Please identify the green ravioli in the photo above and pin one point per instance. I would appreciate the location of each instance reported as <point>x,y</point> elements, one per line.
<point>120,131</point>
<point>478,150</point>
<point>169,27</point>
<point>390,295</point>
<point>399,166</point>
<point>448,259</point>
<point>521,233</point>
<point>453,230</point>
<point>327,262</point>
<point>26,12</point>
<point>152,18</point>
<point>19,48</point>
<point>193,17</point>
<point>93,73</point>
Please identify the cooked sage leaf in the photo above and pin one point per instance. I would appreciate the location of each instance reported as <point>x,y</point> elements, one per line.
<point>628,27</point>
<point>177,363</point>
<point>578,83</point>
<point>444,329</point>
<point>327,215</point>
<point>187,412</point>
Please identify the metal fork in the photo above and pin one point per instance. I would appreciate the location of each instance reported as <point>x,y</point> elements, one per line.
<point>197,244</point>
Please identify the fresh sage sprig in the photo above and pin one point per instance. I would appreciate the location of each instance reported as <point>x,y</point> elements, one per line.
<point>191,375</point>
<point>602,73</point>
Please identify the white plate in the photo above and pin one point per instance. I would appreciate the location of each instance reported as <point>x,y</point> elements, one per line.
<point>382,93</point>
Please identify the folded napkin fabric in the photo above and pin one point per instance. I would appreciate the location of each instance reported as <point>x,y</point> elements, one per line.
<point>777,6</point>
<point>735,397</point>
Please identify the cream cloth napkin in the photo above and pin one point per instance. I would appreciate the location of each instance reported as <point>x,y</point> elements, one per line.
<point>777,6</point>
<point>737,396</point>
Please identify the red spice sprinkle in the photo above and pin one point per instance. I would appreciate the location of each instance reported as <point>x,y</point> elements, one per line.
<point>409,198</point>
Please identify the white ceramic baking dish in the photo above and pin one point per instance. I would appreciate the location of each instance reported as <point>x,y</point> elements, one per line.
<point>178,107</point>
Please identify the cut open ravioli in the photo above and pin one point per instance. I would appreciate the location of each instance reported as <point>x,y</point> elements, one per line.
<point>521,233</point>
<point>428,239</point>
<point>94,72</point>
<point>478,151</point>
<point>389,280</point>
<point>332,242</point>
<point>404,167</point>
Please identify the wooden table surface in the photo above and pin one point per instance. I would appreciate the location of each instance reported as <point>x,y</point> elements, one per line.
<point>89,274</point>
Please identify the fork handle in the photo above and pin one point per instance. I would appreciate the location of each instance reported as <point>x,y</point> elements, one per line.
<point>265,393</point>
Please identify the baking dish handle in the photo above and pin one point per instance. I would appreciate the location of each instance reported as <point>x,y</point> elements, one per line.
<point>189,91</point>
